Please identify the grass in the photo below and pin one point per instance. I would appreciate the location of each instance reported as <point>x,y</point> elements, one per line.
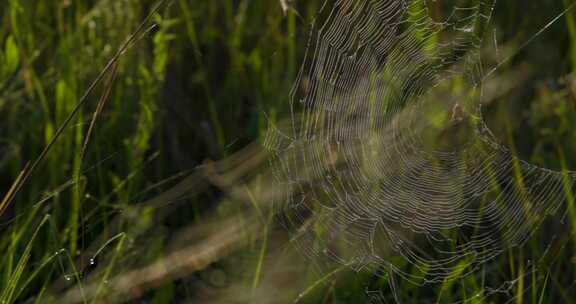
<point>84,162</point>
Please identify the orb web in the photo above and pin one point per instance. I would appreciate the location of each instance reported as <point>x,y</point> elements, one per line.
<point>385,164</point>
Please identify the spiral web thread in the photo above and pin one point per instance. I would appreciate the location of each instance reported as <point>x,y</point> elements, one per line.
<point>381,170</point>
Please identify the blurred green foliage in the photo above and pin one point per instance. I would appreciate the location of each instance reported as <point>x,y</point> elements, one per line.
<point>201,84</point>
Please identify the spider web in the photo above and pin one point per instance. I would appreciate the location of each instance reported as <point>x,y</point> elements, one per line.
<point>384,165</point>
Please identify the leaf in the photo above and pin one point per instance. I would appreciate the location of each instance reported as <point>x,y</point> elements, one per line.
<point>11,56</point>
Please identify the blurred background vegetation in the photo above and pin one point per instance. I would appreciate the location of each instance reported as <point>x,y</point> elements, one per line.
<point>202,85</point>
